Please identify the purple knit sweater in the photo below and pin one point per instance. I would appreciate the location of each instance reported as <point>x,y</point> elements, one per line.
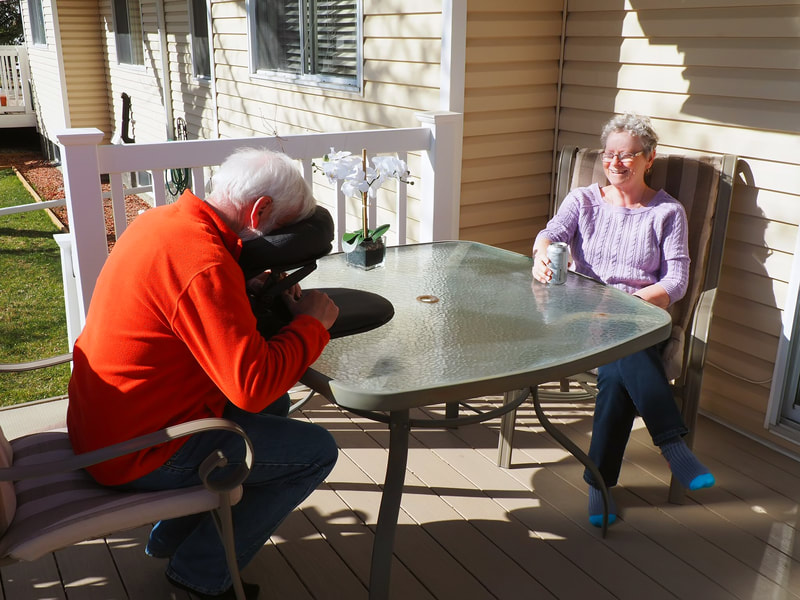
<point>627,248</point>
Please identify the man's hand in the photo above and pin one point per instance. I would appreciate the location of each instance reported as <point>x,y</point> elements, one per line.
<point>314,304</point>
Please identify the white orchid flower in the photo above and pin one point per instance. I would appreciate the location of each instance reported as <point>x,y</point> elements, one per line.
<point>345,167</point>
<point>390,167</point>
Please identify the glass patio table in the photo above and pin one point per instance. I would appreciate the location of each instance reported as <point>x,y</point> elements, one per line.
<point>469,322</point>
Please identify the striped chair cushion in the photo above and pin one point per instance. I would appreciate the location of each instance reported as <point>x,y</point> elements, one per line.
<point>60,510</point>
<point>694,182</point>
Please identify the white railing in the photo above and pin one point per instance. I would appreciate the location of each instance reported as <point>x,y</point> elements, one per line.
<point>16,108</point>
<point>84,249</point>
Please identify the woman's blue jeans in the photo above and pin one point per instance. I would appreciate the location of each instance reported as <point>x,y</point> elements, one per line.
<point>633,384</point>
<point>292,458</point>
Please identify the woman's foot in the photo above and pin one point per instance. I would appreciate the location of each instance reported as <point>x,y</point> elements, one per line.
<point>596,507</point>
<point>250,591</point>
<point>692,474</point>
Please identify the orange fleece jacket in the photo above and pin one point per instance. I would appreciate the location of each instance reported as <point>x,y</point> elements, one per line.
<point>170,337</point>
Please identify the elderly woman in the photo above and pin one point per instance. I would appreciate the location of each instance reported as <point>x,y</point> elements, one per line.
<point>632,237</point>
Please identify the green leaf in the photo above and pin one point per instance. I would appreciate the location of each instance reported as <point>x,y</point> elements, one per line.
<point>353,236</point>
<point>375,234</point>
<point>351,240</point>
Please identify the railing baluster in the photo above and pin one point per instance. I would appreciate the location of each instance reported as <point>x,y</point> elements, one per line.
<point>118,204</point>
<point>401,215</point>
<point>341,214</point>
<point>198,186</point>
<point>159,187</point>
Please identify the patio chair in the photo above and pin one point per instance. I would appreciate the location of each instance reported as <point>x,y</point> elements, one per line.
<point>704,184</point>
<point>48,501</point>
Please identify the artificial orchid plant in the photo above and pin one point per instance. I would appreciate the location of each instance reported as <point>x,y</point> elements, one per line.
<point>361,180</point>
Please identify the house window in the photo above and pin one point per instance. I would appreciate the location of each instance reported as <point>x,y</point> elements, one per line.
<point>37,22</point>
<point>201,60</point>
<point>128,32</point>
<point>313,41</point>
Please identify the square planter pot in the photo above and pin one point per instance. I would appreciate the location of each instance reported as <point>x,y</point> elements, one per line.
<point>367,255</point>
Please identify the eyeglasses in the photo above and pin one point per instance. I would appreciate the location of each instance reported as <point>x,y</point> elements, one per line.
<point>625,158</point>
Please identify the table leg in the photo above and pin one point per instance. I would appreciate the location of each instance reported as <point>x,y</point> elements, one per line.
<point>508,421</point>
<point>573,449</point>
<point>383,546</point>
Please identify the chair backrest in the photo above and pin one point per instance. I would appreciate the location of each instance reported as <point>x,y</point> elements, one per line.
<point>704,185</point>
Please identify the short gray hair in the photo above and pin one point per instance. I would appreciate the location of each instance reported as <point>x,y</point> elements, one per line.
<point>634,125</point>
<point>250,173</point>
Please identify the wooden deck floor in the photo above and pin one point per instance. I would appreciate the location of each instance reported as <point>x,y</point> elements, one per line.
<point>470,530</point>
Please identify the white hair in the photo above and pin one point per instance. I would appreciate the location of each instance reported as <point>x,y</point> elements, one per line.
<point>634,125</point>
<point>250,173</point>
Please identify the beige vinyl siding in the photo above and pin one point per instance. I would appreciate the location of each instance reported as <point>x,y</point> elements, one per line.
<point>511,78</point>
<point>401,75</point>
<point>719,77</point>
<point>46,75</point>
<point>84,65</point>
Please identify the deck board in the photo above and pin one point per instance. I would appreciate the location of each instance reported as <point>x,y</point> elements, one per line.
<point>469,530</point>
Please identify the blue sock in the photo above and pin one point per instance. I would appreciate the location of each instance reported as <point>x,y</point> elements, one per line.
<point>596,507</point>
<point>692,474</point>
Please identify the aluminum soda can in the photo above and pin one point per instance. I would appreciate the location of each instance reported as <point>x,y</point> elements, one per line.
<point>558,253</point>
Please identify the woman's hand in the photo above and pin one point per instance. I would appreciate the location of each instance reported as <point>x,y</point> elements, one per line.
<point>541,270</point>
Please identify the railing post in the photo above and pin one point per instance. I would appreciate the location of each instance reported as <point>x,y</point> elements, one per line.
<point>24,80</point>
<point>441,176</point>
<point>84,194</point>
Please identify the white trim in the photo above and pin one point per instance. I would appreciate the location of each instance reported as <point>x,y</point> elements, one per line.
<point>559,85</point>
<point>166,84</point>
<point>62,80</point>
<point>777,392</point>
<point>453,57</point>
<point>213,65</point>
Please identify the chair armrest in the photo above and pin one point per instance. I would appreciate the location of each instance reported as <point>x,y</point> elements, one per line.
<point>35,364</point>
<point>697,336</point>
<point>87,459</point>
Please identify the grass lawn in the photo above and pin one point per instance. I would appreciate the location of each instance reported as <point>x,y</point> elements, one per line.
<point>32,317</point>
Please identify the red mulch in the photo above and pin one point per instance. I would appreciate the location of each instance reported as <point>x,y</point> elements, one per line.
<point>48,182</point>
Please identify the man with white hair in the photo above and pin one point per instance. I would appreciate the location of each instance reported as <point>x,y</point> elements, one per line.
<point>170,337</point>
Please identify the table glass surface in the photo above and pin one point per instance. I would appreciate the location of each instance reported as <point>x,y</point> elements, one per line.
<point>491,324</point>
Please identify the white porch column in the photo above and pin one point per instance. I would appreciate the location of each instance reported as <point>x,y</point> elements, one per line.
<point>441,176</point>
<point>87,226</point>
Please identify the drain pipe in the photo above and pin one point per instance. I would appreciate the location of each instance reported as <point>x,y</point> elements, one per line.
<point>166,95</point>
<point>564,12</point>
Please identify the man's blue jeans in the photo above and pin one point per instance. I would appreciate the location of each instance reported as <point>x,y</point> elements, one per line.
<point>633,384</point>
<point>292,458</point>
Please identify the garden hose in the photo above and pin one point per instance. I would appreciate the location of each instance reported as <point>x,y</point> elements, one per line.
<point>178,180</point>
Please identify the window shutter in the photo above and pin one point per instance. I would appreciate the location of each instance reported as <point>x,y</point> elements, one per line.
<point>128,32</point>
<point>333,37</point>
<point>277,26</point>
<point>36,15</point>
<point>200,47</point>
